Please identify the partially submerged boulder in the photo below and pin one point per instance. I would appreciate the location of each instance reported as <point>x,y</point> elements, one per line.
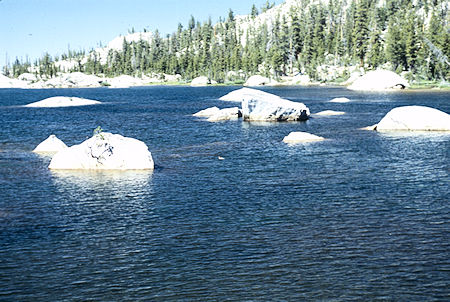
<point>200,81</point>
<point>51,145</point>
<point>329,113</point>
<point>262,106</point>
<point>340,100</point>
<point>299,137</point>
<point>63,101</point>
<point>226,114</point>
<point>414,118</point>
<point>207,112</point>
<point>257,80</point>
<point>105,151</point>
<point>379,80</point>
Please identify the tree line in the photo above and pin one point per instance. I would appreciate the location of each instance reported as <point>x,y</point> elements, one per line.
<point>409,36</point>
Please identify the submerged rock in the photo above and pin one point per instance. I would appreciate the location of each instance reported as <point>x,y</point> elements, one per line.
<point>298,137</point>
<point>63,101</point>
<point>414,118</point>
<point>51,145</point>
<point>105,151</point>
<point>262,106</point>
<point>379,80</point>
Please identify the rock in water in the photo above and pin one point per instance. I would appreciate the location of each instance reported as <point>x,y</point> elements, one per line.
<point>262,106</point>
<point>226,114</point>
<point>51,145</point>
<point>244,94</point>
<point>105,151</point>
<point>298,137</point>
<point>340,100</point>
<point>329,113</point>
<point>414,118</point>
<point>379,80</point>
<point>63,101</point>
<point>207,112</point>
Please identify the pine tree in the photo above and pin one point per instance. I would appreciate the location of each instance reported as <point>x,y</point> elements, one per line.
<point>361,31</point>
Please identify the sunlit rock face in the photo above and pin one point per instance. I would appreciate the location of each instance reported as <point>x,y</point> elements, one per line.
<point>105,151</point>
<point>208,112</point>
<point>51,145</point>
<point>262,106</point>
<point>63,101</point>
<point>414,118</point>
<point>379,80</point>
<point>257,80</point>
<point>200,81</point>
<point>226,114</point>
<point>299,137</point>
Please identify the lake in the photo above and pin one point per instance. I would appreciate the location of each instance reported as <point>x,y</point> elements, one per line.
<point>360,216</point>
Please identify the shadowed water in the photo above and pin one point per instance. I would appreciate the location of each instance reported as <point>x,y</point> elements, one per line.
<point>360,216</point>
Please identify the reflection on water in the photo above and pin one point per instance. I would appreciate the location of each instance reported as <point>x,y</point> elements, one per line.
<point>116,183</point>
<point>420,135</point>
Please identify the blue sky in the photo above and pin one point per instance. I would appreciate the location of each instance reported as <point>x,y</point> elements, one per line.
<point>32,27</point>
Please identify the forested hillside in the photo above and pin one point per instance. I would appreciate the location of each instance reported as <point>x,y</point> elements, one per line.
<point>320,38</point>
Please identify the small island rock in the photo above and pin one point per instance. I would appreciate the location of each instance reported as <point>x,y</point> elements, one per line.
<point>62,101</point>
<point>105,151</point>
<point>414,118</point>
<point>262,106</point>
<point>51,145</point>
<point>329,113</point>
<point>298,137</point>
<point>340,100</point>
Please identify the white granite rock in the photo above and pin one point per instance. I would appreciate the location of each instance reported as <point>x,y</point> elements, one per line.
<point>226,114</point>
<point>6,82</point>
<point>207,112</point>
<point>329,113</point>
<point>63,101</point>
<point>414,118</point>
<point>257,80</point>
<point>105,151</point>
<point>379,80</point>
<point>340,100</point>
<point>51,145</point>
<point>262,106</point>
<point>200,81</point>
<point>298,137</point>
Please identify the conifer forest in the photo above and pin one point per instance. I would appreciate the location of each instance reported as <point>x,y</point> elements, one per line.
<point>405,36</point>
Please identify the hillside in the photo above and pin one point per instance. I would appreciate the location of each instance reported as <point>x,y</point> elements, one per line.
<point>324,39</point>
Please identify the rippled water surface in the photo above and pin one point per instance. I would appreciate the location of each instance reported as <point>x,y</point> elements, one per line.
<point>359,216</point>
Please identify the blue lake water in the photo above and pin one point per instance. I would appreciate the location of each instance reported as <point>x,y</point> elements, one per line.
<point>360,216</point>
